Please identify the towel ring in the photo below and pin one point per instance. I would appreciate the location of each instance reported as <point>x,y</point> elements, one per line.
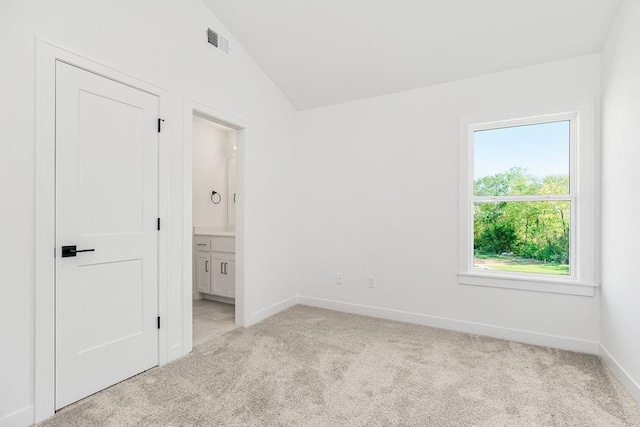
<point>215,193</point>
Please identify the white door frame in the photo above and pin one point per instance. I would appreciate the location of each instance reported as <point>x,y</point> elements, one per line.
<point>44,319</point>
<point>242,159</point>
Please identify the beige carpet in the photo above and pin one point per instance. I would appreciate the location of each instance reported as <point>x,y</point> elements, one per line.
<point>313,367</point>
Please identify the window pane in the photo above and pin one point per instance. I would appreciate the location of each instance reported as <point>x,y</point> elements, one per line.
<point>527,237</point>
<point>522,160</point>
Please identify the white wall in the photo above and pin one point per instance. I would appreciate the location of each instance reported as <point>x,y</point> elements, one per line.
<point>379,196</point>
<point>620,297</point>
<point>162,42</point>
<point>375,191</point>
<point>212,146</point>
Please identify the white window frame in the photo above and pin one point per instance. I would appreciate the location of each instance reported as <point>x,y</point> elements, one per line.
<point>581,280</point>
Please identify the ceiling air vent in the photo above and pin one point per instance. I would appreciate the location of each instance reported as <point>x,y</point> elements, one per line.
<point>218,41</point>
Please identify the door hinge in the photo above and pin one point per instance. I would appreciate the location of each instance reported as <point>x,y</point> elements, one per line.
<point>160,124</point>
<point>158,322</point>
<point>158,224</point>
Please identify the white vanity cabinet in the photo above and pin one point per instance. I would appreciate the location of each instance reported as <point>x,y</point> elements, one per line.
<point>215,265</point>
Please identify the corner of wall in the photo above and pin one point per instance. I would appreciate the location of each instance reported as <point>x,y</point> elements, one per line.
<point>620,373</point>
<point>260,315</point>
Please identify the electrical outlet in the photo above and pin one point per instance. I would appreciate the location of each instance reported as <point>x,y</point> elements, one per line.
<point>372,282</point>
<point>339,279</point>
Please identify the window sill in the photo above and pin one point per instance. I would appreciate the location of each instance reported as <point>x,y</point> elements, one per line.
<point>554,286</point>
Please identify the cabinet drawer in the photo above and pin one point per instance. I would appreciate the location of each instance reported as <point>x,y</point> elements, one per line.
<point>223,244</point>
<point>203,243</point>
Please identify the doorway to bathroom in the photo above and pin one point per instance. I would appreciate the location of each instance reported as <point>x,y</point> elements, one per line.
<point>214,199</point>
<point>214,245</point>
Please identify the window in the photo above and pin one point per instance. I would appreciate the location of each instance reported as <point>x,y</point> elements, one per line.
<point>526,203</point>
<point>522,198</point>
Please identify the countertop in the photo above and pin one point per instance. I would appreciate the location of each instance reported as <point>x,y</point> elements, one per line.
<point>213,231</point>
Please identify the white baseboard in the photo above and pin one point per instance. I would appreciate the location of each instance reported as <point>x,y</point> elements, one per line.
<point>271,310</point>
<point>23,417</point>
<point>219,299</point>
<point>527,337</point>
<point>622,375</point>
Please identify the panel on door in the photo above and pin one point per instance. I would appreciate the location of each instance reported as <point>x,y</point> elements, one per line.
<point>219,284</point>
<point>106,202</point>
<point>203,271</point>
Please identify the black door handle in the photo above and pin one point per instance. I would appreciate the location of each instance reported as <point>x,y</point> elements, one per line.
<point>68,251</point>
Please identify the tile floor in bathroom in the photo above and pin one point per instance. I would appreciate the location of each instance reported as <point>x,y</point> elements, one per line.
<point>210,319</point>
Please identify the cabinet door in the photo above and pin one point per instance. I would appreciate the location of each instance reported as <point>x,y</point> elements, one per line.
<point>231,277</point>
<point>203,268</point>
<point>219,286</point>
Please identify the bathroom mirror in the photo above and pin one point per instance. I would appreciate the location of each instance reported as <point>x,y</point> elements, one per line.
<point>231,191</point>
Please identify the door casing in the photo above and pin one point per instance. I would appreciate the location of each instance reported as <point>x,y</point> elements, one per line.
<point>241,127</point>
<point>44,311</point>
<point>47,54</point>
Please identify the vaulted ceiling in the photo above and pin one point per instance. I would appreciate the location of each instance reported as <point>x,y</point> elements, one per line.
<point>323,52</point>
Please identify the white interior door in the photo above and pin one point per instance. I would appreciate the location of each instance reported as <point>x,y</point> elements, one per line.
<point>106,201</point>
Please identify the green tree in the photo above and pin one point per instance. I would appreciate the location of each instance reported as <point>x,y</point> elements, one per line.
<point>514,182</point>
<point>538,230</point>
